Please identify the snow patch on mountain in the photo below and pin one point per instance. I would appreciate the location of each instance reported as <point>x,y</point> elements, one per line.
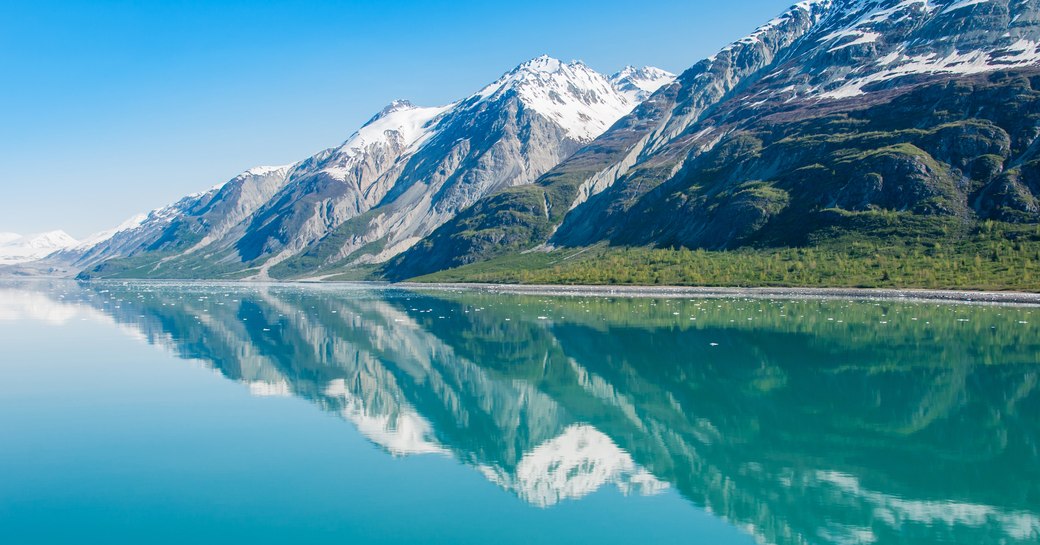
<point>1020,54</point>
<point>963,4</point>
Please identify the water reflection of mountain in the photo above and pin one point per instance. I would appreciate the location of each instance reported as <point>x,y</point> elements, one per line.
<point>805,422</point>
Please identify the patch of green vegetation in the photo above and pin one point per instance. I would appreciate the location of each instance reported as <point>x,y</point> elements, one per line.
<point>993,256</point>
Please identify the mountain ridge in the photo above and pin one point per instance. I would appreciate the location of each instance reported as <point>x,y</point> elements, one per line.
<point>406,171</point>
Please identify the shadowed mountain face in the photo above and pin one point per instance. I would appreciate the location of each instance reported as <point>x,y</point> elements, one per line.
<point>802,422</point>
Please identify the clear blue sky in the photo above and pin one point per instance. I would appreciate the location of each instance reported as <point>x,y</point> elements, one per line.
<point>111,108</point>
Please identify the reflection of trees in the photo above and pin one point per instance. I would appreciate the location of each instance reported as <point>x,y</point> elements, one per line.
<point>810,422</point>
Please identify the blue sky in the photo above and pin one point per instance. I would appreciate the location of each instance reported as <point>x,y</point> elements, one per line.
<point>111,108</point>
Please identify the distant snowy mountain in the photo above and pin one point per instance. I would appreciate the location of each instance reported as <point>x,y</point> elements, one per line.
<point>399,177</point>
<point>15,249</point>
<point>639,83</point>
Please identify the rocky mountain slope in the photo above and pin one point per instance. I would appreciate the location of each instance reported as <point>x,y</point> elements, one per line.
<point>828,116</point>
<point>402,175</point>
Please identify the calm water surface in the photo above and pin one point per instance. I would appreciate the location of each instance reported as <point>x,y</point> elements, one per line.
<point>144,413</point>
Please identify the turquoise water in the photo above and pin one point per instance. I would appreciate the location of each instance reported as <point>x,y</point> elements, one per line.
<point>195,414</point>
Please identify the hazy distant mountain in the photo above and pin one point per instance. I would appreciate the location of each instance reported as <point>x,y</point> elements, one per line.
<point>639,83</point>
<point>15,249</point>
<point>403,174</point>
<point>826,116</point>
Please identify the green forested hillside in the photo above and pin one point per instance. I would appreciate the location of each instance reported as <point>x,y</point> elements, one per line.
<point>993,256</point>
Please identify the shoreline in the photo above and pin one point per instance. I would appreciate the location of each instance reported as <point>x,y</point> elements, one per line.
<point>628,291</point>
<point>948,296</point>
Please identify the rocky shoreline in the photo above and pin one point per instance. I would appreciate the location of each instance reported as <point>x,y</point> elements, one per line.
<point>950,296</point>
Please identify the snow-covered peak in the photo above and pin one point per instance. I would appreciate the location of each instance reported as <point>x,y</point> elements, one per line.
<point>8,237</point>
<point>399,128</point>
<point>255,172</point>
<point>401,123</point>
<point>543,63</point>
<point>816,9</point>
<point>266,170</point>
<point>395,106</point>
<point>50,239</point>
<point>33,247</point>
<point>576,97</point>
<point>639,83</point>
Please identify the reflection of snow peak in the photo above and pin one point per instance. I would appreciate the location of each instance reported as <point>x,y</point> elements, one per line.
<point>261,388</point>
<point>895,511</point>
<point>574,465</point>
<point>401,432</point>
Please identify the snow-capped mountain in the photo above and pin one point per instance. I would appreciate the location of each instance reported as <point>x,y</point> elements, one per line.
<point>15,249</point>
<point>724,121</point>
<point>578,99</point>
<point>182,227</point>
<point>639,83</point>
<point>399,177</point>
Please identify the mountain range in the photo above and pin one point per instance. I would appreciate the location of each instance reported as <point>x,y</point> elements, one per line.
<point>839,116</point>
<point>403,174</point>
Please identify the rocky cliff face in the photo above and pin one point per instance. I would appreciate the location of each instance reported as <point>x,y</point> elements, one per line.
<point>853,67</point>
